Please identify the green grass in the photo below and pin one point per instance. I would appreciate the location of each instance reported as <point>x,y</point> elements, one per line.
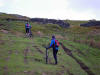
<point>16,64</point>
<point>92,55</point>
<point>13,48</point>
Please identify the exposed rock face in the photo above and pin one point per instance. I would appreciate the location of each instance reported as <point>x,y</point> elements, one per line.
<point>52,21</point>
<point>91,23</point>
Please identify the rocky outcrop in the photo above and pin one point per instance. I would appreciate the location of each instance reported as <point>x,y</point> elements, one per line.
<point>91,23</point>
<point>52,21</point>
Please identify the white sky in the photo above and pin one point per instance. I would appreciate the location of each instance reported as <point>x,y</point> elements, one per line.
<point>57,9</point>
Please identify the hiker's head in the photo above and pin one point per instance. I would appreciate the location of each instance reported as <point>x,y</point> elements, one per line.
<point>53,37</point>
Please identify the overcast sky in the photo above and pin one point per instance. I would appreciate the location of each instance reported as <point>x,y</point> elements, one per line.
<point>57,9</point>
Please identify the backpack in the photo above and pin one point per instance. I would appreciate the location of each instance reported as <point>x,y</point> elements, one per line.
<point>56,43</point>
<point>27,25</point>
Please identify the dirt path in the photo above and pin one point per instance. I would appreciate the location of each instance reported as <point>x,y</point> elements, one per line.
<point>82,65</point>
<point>67,70</point>
<point>25,55</point>
<point>27,51</point>
<point>9,55</point>
<point>38,49</point>
<point>5,70</point>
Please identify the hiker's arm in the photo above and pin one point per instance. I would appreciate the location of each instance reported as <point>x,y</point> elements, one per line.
<point>52,41</point>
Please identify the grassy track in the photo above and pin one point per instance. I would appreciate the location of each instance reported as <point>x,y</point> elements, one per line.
<point>22,56</point>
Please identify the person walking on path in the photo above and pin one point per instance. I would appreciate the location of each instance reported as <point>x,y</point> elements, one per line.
<point>54,44</point>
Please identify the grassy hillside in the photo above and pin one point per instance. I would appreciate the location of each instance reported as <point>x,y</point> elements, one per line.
<point>22,56</point>
<point>4,16</point>
<point>79,51</point>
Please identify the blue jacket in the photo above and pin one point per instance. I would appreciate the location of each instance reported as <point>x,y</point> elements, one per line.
<point>52,43</point>
<point>27,26</point>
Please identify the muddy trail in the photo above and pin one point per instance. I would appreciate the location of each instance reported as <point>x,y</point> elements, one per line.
<point>82,65</point>
<point>38,49</point>
<point>67,70</point>
<point>26,53</point>
<point>6,72</point>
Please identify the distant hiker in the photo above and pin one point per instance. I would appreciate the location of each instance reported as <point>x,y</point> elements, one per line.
<point>54,44</point>
<point>28,28</point>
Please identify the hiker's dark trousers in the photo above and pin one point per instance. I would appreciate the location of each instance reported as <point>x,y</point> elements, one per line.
<point>27,30</point>
<point>55,55</point>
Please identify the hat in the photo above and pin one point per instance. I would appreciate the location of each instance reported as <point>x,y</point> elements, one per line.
<point>53,37</point>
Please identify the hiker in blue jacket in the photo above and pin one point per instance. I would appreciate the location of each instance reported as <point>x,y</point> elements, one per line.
<point>28,28</point>
<point>55,48</point>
